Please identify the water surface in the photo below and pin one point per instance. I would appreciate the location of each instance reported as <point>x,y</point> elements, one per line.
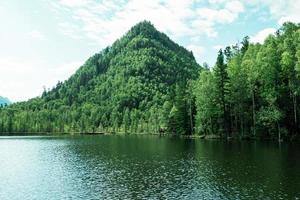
<point>146,167</point>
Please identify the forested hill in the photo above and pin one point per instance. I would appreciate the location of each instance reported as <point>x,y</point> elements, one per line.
<point>136,85</point>
<point>4,101</point>
<point>145,83</point>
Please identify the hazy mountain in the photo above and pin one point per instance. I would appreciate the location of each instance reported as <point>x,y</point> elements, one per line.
<point>4,101</point>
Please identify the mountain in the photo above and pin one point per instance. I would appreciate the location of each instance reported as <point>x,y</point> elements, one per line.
<point>4,101</point>
<point>132,86</point>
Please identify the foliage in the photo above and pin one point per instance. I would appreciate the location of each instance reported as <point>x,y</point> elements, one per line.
<point>145,83</point>
<point>128,87</point>
<point>255,88</point>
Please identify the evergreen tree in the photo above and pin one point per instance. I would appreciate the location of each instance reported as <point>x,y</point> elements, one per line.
<point>222,81</point>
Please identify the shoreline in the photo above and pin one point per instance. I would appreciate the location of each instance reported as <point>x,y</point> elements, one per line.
<point>198,137</point>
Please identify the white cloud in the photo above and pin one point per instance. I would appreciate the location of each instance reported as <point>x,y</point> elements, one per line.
<point>287,10</point>
<point>198,51</point>
<point>36,35</point>
<point>19,80</point>
<point>208,18</point>
<point>218,47</point>
<point>69,30</point>
<point>13,70</point>
<point>104,22</point>
<point>222,16</point>
<point>262,35</point>
<point>216,1</point>
<point>74,3</point>
<point>290,18</point>
<point>63,71</point>
<point>235,6</point>
<point>280,10</point>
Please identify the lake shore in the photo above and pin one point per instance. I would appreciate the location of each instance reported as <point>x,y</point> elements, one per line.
<point>195,136</point>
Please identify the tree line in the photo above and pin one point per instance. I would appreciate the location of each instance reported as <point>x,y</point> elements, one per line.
<point>253,90</point>
<point>146,83</point>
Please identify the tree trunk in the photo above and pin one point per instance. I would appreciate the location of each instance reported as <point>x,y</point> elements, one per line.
<point>225,120</point>
<point>191,117</point>
<point>236,122</point>
<point>230,121</point>
<point>242,125</point>
<point>295,113</point>
<point>211,126</point>
<point>253,114</point>
<point>279,133</point>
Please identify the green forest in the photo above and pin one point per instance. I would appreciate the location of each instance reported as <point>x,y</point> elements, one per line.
<point>146,83</point>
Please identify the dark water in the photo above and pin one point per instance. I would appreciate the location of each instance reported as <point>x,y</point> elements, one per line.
<point>146,167</point>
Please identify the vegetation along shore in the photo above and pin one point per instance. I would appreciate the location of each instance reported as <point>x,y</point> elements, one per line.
<point>146,83</point>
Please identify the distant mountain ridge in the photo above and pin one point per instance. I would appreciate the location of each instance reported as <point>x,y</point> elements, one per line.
<point>4,100</point>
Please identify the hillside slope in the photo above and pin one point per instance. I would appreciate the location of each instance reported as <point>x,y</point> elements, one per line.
<point>128,87</point>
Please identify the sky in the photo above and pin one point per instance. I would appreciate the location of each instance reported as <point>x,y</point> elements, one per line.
<point>46,41</point>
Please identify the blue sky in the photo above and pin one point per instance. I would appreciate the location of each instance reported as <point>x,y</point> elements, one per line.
<point>44,41</point>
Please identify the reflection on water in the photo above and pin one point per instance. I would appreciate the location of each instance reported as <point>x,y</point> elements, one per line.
<point>138,167</point>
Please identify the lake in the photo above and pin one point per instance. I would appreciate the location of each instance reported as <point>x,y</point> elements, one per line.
<point>146,167</point>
